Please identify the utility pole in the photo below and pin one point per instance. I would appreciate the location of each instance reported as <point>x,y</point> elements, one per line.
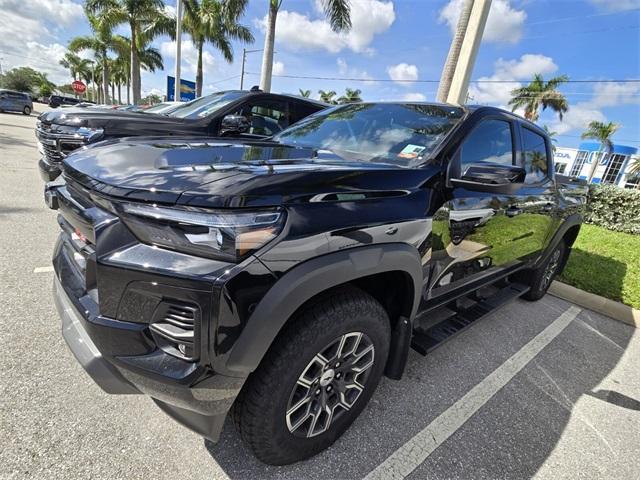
<point>454,51</point>
<point>244,59</point>
<point>468,52</point>
<point>176,90</point>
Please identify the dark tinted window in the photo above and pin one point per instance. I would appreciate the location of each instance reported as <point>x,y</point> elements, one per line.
<point>535,156</point>
<point>488,144</point>
<point>300,110</point>
<point>267,117</point>
<point>204,106</point>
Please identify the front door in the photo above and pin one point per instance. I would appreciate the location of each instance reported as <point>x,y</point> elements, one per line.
<point>490,222</point>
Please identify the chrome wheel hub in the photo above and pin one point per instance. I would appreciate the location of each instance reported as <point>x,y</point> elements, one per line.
<point>330,384</point>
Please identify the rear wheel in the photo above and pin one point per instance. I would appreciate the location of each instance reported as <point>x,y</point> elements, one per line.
<point>316,379</point>
<point>542,277</point>
<point>26,110</point>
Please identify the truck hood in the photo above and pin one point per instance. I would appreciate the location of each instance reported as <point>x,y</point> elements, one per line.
<point>213,173</point>
<point>117,122</point>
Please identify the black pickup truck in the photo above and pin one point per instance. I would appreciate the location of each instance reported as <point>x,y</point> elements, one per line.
<point>232,113</point>
<point>281,278</point>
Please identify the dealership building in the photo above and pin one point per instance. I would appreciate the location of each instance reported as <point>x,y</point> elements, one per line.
<point>613,168</point>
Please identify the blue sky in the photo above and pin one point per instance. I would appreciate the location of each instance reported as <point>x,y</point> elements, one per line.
<point>392,41</point>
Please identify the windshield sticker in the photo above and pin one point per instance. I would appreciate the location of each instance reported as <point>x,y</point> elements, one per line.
<point>411,151</point>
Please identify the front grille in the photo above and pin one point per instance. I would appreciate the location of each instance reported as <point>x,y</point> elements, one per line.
<point>56,146</point>
<point>174,329</point>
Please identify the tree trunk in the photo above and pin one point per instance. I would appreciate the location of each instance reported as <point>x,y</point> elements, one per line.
<point>454,52</point>
<point>594,164</point>
<point>135,66</point>
<point>113,93</point>
<point>199,70</point>
<point>105,78</point>
<point>269,40</point>
<point>128,91</point>
<point>119,93</point>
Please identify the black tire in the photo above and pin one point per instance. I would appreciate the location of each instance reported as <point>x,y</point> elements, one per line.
<point>262,411</point>
<point>26,110</point>
<point>542,277</point>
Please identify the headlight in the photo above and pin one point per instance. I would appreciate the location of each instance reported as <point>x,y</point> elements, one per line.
<point>224,235</point>
<point>86,133</point>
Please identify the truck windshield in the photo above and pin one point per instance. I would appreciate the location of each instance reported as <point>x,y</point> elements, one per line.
<point>205,106</point>
<point>398,133</point>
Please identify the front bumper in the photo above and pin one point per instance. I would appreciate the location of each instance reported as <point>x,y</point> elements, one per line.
<point>48,171</point>
<point>201,407</point>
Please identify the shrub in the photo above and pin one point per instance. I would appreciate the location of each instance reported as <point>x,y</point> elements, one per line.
<point>614,208</point>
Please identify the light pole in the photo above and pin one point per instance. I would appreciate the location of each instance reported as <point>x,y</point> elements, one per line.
<point>244,59</point>
<point>176,90</point>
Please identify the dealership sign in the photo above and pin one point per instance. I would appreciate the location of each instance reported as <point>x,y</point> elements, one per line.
<point>187,90</point>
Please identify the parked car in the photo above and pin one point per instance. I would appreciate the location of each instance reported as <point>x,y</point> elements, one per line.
<point>230,114</point>
<point>12,101</point>
<point>282,278</point>
<point>56,101</point>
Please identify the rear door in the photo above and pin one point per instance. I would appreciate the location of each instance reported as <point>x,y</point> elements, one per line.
<point>489,223</point>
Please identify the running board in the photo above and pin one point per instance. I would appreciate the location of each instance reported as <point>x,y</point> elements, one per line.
<point>459,316</point>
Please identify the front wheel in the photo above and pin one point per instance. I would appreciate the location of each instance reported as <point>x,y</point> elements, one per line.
<point>316,378</point>
<point>542,277</point>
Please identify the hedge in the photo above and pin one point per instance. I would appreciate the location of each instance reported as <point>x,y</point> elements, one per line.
<point>614,208</point>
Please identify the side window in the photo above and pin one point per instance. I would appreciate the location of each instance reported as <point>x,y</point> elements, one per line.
<point>490,143</point>
<point>300,110</point>
<point>535,156</point>
<point>267,117</point>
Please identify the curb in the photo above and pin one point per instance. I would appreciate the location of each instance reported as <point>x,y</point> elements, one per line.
<point>617,311</point>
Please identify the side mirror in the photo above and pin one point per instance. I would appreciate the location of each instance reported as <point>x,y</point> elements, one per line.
<point>491,175</point>
<point>234,124</point>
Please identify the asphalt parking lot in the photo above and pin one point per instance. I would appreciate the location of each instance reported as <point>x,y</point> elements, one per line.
<point>536,389</point>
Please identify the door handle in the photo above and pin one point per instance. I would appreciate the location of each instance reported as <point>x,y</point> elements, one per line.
<point>513,211</point>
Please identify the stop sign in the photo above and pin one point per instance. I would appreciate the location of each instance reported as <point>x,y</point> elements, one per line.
<point>78,86</point>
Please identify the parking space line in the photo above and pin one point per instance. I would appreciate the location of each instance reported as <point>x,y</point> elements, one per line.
<point>413,453</point>
<point>43,269</point>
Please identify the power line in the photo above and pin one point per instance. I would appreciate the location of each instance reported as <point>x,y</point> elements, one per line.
<point>352,79</point>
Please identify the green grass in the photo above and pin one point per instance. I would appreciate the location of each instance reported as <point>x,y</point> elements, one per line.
<point>606,263</point>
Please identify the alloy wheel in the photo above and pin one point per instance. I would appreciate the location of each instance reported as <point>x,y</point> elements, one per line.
<point>552,268</point>
<point>330,384</point>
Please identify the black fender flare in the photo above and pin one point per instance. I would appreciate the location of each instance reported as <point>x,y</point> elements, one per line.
<point>571,221</point>
<point>310,278</point>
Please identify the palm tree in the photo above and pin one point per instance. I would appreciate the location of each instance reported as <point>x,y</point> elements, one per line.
<point>305,93</point>
<point>78,67</point>
<point>146,20</point>
<point>551,134</point>
<point>101,42</point>
<point>338,13</point>
<point>150,59</point>
<point>540,93</point>
<point>215,21</point>
<point>327,96</point>
<point>350,96</point>
<point>602,132</point>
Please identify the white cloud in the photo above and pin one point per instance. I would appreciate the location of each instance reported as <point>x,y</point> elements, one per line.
<point>298,31</point>
<point>344,70</point>
<point>612,94</point>
<point>577,118</point>
<point>616,5</point>
<point>189,56</point>
<point>521,69</point>
<point>278,68</point>
<point>403,73</point>
<point>58,12</point>
<point>414,97</point>
<point>504,24</point>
